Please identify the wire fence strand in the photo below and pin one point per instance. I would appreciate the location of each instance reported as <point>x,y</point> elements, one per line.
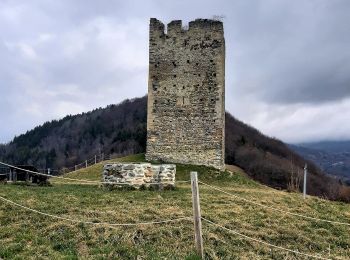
<point>273,208</point>
<point>81,180</point>
<point>263,242</point>
<point>91,222</point>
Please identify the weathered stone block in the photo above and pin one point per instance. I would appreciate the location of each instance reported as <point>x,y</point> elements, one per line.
<point>139,175</point>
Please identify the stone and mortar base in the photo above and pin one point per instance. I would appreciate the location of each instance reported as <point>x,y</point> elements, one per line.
<point>139,175</point>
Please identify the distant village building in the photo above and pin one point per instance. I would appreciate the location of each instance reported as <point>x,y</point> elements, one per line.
<point>186,93</point>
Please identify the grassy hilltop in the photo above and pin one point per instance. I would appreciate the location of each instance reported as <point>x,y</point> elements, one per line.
<point>28,235</point>
<point>121,130</point>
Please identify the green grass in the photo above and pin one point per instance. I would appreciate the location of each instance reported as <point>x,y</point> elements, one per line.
<point>27,235</point>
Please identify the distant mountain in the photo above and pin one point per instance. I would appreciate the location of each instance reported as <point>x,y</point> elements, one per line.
<point>121,130</point>
<point>329,146</point>
<point>333,157</point>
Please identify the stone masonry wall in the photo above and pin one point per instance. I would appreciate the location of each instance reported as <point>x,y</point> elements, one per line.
<point>139,174</point>
<point>186,93</point>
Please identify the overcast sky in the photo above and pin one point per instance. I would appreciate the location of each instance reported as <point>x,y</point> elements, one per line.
<point>287,62</point>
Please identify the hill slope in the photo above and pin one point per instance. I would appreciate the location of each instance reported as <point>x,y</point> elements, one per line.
<point>27,235</point>
<point>121,129</point>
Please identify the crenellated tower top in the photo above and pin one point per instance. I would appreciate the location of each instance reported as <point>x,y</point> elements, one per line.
<point>186,93</point>
<point>176,26</point>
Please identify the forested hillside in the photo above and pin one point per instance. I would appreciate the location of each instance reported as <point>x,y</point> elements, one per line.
<point>121,130</point>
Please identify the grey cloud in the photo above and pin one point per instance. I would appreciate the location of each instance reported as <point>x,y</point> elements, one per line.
<point>60,57</point>
<point>297,53</point>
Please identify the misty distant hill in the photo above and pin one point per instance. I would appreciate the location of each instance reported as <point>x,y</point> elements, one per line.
<point>121,130</point>
<point>333,157</point>
<point>329,146</point>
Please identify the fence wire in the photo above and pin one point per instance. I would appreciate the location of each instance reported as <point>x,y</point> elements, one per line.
<point>82,181</point>
<point>273,208</point>
<point>91,222</point>
<point>263,242</point>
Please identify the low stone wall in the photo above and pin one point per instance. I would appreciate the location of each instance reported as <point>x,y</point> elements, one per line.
<point>139,175</point>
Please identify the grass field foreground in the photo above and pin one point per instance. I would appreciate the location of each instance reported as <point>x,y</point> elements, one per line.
<point>28,235</point>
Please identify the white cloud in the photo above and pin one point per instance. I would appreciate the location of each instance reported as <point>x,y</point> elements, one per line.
<point>11,13</point>
<point>63,108</point>
<point>296,123</point>
<point>27,51</point>
<point>44,37</point>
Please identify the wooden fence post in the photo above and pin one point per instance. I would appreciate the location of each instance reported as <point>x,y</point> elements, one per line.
<point>14,176</point>
<point>27,177</point>
<point>95,159</point>
<point>197,215</point>
<point>305,177</point>
<point>86,164</point>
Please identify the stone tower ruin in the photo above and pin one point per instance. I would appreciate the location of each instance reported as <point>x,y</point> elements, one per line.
<point>186,93</point>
